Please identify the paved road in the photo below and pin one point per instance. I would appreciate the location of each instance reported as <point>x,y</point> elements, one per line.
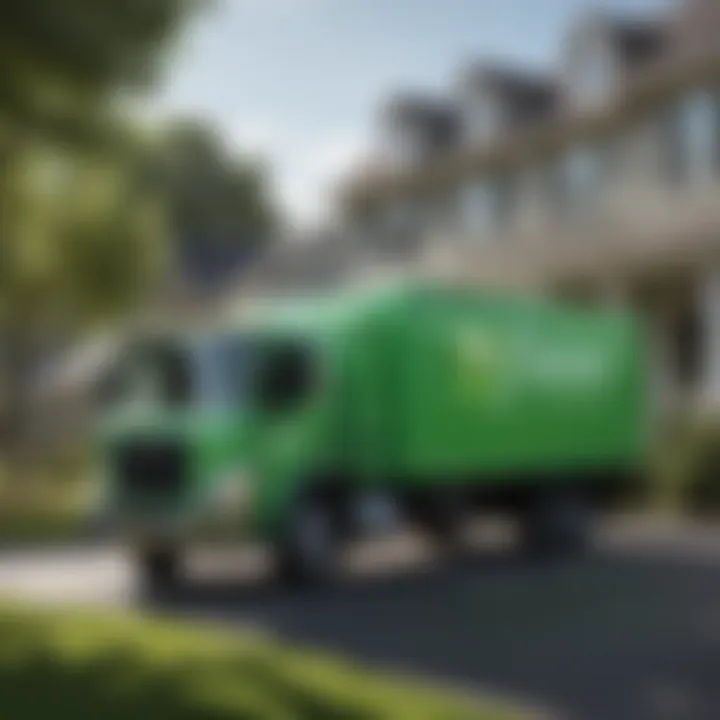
<point>632,633</point>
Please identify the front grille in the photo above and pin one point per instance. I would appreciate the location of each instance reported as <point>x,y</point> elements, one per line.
<point>151,471</point>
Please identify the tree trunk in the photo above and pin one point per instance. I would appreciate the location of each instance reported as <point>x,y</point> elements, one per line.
<point>17,337</point>
<point>18,377</point>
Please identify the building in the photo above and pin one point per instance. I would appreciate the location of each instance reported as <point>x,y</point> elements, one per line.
<point>601,183</point>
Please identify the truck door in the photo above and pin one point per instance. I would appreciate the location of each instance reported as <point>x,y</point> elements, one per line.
<point>291,418</point>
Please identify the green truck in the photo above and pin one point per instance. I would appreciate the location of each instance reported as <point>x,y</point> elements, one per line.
<point>308,421</point>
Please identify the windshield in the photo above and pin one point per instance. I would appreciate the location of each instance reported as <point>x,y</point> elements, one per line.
<point>153,373</point>
<point>161,372</point>
<point>225,367</point>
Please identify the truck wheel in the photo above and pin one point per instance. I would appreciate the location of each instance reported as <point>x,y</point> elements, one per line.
<point>159,568</point>
<point>445,521</point>
<point>560,526</point>
<point>309,552</point>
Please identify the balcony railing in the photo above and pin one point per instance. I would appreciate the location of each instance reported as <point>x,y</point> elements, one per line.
<point>647,231</point>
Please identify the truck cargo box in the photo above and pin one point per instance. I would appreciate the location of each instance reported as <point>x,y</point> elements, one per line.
<point>480,384</point>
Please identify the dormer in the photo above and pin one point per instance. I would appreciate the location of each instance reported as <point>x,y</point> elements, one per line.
<point>602,52</point>
<point>414,128</point>
<point>494,99</point>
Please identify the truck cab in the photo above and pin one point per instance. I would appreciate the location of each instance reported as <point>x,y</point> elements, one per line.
<point>209,432</point>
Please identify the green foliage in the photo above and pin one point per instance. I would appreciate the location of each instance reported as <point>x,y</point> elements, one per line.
<point>686,470</point>
<point>52,503</point>
<point>79,245</point>
<point>79,241</point>
<point>212,193</point>
<point>62,62</point>
<point>41,528</point>
<point>76,230</point>
<point>63,665</point>
<point>80,236</point>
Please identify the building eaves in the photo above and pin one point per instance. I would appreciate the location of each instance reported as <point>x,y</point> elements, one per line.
<point>527,96</point>
<point>648,88</point>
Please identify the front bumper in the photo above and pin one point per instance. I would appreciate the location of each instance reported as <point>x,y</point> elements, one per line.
<point>225,513</point>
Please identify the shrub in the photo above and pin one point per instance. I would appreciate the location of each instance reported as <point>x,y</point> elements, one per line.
<point>65,665</point>
<point>686,469</point>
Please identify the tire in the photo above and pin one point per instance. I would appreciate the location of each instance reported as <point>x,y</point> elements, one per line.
<point>560,526</point>
<point>159,568</point>
<point>444,518</point>
<point>309,553</point>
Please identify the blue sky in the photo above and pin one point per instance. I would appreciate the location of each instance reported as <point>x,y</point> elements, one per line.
<point>299,80</point>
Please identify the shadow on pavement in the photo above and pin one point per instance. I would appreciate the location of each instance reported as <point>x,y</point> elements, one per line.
<point>609,637</point>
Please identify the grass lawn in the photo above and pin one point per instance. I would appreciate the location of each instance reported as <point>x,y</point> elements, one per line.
<point>64,664</point>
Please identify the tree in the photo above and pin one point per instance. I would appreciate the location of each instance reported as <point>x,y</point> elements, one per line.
<point>219,202</point>
<point>83,242</point>
<point>64,63</point>
<point>78,234</point>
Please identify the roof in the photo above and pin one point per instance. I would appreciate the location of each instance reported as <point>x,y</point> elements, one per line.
<point>417,107</point>
<point>527,96</point>
<point>646,47</point>
<point>513,81</point>
<point>437,119</point>
<point>635,40</point>
<point>650,88</point>
<point>639,41</point>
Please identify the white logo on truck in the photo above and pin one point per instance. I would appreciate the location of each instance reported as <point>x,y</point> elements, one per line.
<point>486,368</point>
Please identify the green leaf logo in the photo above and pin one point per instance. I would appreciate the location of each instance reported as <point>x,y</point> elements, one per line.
<point>479,362</point>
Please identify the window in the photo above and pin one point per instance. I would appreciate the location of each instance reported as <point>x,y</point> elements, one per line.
<point>487,206</point>
<point>538,192</point>
<point>440,217</point>
<point>482,118</point>
<point>404,222</point>
<point>403,217</point>
<point>216,370</point>
<point>691,138</point>
<point>592,72</point>
<point>582,175</point>
<point>505,197</point>
<point>226,366</point>
<point>402,144</point>
<point>476,208</point>
<point>552,188</point>
<point>699,134</point>
<point>153,372</point>
<point>285,376</point>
